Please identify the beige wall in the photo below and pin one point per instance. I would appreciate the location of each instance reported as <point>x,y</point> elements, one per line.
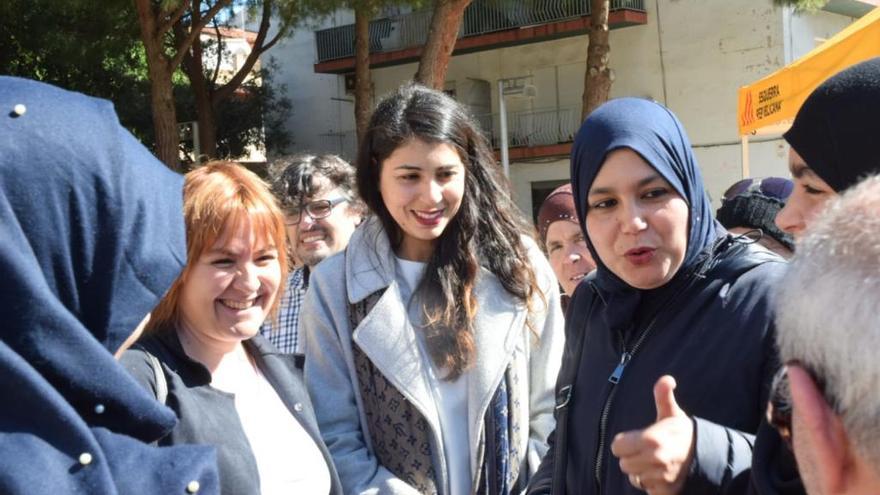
<point>709,49</point>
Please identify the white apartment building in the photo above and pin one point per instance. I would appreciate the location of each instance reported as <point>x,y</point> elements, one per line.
<point>691,55</point>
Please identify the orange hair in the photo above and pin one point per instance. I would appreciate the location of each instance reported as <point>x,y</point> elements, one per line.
<point>217,198</point>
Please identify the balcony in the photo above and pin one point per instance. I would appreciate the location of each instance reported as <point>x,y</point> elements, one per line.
<point>487,24</point>
<point>534,133</point>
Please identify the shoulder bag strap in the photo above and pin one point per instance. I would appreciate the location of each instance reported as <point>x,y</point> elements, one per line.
<point>161,383</point>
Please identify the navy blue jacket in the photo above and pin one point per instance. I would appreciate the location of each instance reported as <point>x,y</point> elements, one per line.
<point>715,337</point>
<point>91,237</point>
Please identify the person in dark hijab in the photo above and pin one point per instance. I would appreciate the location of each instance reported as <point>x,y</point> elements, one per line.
<point>674,297</point>
<point>91,236</point>
<point>833,142</point>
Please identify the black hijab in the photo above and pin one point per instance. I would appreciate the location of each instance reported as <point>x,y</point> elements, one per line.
<point>836,128</point>
<point>652,131</point>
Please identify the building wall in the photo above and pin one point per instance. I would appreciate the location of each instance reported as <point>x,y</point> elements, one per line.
<point>692,55</point>
<point>320,105</point>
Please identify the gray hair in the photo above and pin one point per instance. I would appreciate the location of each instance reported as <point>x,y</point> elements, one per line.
<point>292,178</point>
<point>829,311</point>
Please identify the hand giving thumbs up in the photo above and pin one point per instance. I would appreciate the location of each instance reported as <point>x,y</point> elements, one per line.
<point>657,458</point>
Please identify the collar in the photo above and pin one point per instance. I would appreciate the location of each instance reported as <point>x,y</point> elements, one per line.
<point>369,261</point>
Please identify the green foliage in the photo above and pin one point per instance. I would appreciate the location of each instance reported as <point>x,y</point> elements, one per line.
<point>95,48</point>
<point>802,5</point>
<point>254,114</point>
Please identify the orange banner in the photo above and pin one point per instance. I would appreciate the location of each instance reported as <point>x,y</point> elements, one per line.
<point>773,101</point>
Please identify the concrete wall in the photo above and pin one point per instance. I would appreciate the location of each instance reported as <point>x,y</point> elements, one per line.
<point>692,55</point>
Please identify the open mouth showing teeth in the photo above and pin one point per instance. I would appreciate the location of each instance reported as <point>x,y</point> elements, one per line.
<point>428,215</point>
<point>313,238</point>
<point>578,277</point>
<point>238,304</point>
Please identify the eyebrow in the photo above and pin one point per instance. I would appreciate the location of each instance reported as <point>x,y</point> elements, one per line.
<point>227,252</point>
<point>407,166</point>
<point>642,182</point>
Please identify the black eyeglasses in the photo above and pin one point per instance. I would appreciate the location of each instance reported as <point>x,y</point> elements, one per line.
<point>316,209</point>
<point>780,405</point>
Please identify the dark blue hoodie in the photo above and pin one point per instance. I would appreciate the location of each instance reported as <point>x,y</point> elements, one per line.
<point>91,237</point>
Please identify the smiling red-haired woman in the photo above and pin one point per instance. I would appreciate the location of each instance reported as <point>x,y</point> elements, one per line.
<point>203,355</point>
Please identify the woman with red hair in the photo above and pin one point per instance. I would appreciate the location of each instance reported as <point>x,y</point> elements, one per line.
<point>203,354</point>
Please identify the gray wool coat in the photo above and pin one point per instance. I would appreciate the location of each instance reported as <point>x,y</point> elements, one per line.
<point>388,338</point>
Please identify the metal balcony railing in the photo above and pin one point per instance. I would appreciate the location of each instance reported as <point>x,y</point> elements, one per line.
<point>533,127</point>
<point>481,17</point>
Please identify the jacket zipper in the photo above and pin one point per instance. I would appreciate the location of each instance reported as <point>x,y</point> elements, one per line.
<point>614,379</point>
<point>625,358</point>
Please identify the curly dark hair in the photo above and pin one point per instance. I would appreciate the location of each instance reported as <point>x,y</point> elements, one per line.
<point>487,230</point>
<point>292,178</point>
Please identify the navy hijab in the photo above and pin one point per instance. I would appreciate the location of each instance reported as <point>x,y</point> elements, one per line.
<point>652,131</point>
<point>91,237</point>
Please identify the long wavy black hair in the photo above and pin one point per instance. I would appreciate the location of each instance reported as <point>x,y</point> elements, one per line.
<point>486,231</point>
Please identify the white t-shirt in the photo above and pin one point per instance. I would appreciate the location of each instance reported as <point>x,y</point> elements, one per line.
<point>288,460</point>
<point>450,397</point>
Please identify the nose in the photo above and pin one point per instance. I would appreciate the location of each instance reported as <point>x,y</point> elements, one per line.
<point>632,218</point>
<point>246,278</point>
<point>433,192</point>
<point>306,222</point>
<point>573,255</point>
<point>789,218</point>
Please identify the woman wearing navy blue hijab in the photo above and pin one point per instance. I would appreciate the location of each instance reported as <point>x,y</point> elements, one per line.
<point>674,300</point>
<point>91,236</point>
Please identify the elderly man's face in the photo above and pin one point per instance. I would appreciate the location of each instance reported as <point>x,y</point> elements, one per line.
<point>314,239</point>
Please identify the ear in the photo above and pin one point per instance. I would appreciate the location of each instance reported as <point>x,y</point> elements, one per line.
<point>827,437</point>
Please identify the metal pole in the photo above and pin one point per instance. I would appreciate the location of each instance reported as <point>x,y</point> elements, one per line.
<point>502,117</point>
<point>745,156</point>
<point>197,144</point>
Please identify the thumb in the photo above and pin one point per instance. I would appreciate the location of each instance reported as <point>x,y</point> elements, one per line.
<point>664,398</point>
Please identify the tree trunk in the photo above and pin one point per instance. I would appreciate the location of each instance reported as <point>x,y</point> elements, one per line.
<point>164,118</point>
<point>598,76</point>
<point>445,24</point>
<point>362,89</point>
<point>161,89</point>
<point>204,102</point>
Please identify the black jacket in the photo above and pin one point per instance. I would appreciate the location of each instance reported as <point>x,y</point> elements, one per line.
<point>774,469</point>
<point>715,337</point>
<point>208,416</point>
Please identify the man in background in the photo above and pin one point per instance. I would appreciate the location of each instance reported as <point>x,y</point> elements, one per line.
<point>316,193</point>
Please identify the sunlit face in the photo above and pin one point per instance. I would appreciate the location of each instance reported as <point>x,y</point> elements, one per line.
<point>422,185</point>
<point>807,199</point>
<point>568,254</point>
<point>231,288</point>
<point>314,239</point>
<point>637,222</point>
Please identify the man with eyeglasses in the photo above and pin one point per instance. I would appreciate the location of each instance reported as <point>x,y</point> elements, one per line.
<point>828,336</point>
<point>321,210</point>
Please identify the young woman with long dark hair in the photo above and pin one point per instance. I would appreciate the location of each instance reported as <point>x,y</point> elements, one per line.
<point>434,339</point>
